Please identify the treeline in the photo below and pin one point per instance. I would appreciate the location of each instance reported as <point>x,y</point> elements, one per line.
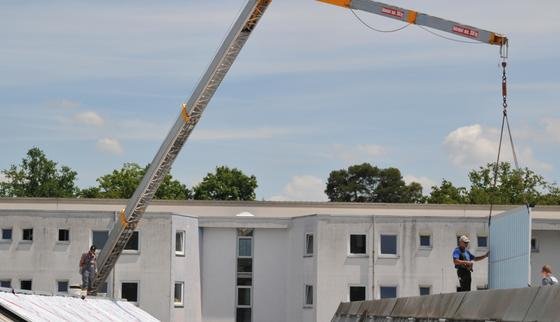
<point>37,176</point>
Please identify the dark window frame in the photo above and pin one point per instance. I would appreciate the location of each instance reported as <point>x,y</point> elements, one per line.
<point>4,230</point>
<point>388,288</point>
<point>382,253</point>
<point>309,250</point>
<point>130,283</point>
<point>422,288</point>
<point>27,234</point>
<point>182,302</point>
<point>354,242</point>
<point>65,233</point>
<point>352,298</point>
<point>421,240</point>
<point>308,298</point>
<point>26,281</point>
<point>131,240</point>
<point>58,284</point>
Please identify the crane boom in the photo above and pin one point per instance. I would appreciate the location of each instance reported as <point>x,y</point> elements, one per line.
<point>179,133</point>
<point>422,19</point>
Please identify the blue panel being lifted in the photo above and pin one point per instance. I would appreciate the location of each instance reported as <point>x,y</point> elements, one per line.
<point>510,249</point>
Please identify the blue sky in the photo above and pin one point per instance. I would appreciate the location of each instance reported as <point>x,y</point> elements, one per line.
<point>97,84</point>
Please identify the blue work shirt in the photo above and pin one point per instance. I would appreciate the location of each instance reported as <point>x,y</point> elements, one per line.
<point>462,255</point>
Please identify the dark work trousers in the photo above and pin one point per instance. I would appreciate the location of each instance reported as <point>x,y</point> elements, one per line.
<point>464,280</point>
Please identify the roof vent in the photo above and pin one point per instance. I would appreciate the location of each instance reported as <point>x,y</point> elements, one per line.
<point>245,214</point>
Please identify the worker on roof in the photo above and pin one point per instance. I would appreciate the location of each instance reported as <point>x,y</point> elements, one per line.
<point>464,260</point>
<point>547,277</point>
<point>88,268</point>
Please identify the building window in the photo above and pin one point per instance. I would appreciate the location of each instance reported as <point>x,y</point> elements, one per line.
<point>26,284</point>
<point>129,291</point>
<point>388,292</point>
<point>63,235</point>
<point>243,314</point>
<point>244,247</point>
<point>180,243</point>
<point>28,234</point>
<point>308,244</point>
<point>178,294</point>
<point>357,293</point>
<point>388,244</point>
<point>243,300</point>
<point>308,300</point>
<point>425,290</point>
<point>133,243</point>
<point>482,241</point>
<point>7,234</point>
<point>62,286</point>
<point>103,288</point>
<point>6,283</point>
<point>425,241</point>
<point>534,245</point>
<point>357,244</point>
<point>99,238</point>
<point>244,296</point>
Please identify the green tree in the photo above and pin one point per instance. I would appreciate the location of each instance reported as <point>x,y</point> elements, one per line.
<point>447,193</point>
<point>367,183</point>
<point>226,184</point>
<point>38,176</point>
<point>121,184</point>
<point>513,186</point>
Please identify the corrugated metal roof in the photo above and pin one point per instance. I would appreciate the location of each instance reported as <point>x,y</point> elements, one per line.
<point>31,307</point>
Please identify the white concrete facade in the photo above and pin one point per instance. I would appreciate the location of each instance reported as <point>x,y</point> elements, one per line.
<point>284,266</point>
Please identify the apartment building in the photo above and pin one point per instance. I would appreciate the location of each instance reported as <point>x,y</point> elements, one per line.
<point>255,261</point>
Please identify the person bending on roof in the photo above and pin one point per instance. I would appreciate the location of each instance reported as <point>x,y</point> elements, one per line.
<point>463,260</point>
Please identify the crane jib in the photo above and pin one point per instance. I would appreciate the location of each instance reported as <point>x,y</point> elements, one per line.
<point>190,114</point>
<point>422,19</point>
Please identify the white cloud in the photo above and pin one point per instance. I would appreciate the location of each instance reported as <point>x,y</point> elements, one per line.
<point>356,154</point>
<point>109,145</point>
<point>64,104</point>
<point>426,182</point>
<point>302,188</point>
<point>474,145</point>
<point>89,118</point>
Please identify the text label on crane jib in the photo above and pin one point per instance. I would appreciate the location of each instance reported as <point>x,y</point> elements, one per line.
<point>393,12</point>
<point>465,31</point>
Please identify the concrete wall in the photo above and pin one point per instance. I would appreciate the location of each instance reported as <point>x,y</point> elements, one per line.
<point>186,269</point>
<point>301,270</point>
<point>270,267</point>
<point>45,260</point>
<point>337,269</point>
<point>218,265</point>
<point>415,266</point>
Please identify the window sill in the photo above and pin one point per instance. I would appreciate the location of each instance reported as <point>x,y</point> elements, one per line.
<point>179,254</point>
<point>5,241</point>
<point>388,256</point>
<point>131,252</point>
<point>425,247</point>
<point>26,242</point>
<point>308,306</point>
<point>178,305</point>
<point>63,242</point>
<point>358,255</point>
<point>308,255</point>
